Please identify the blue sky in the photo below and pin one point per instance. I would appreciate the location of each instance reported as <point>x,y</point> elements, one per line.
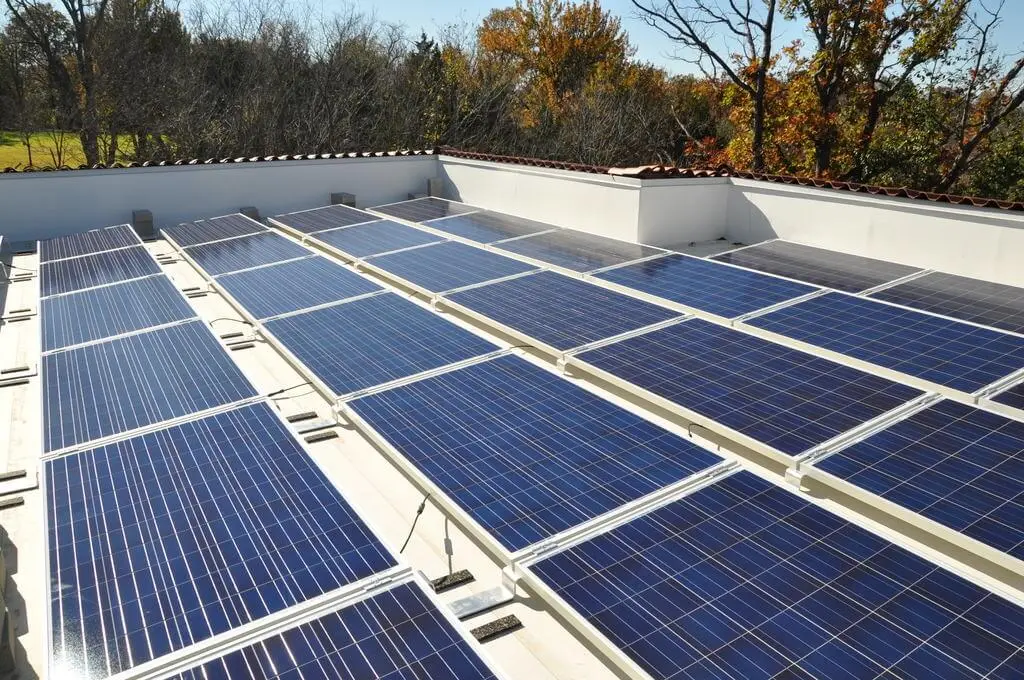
<point>651,45</point>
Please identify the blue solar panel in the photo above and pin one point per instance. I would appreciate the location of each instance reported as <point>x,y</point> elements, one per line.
<point>328,217</point>
<point>245,252</point>
<point>787,399</point>
<point>743,579</point>
<point>705,285</point>
<point>65,276</point>
<point>169,538</point>
<point>525,452</point>
<point>950,353</point>
<point>87,243</point>
<point>423,209</point>
<point>448,265</point>
<point>397,634</point>
<point>1013,396</point>
<point>374,238</point>
<point>375,340</point>
<point>578,251</point>
<point>203,231</point>
<point>119,385</point>
<point>955,464</point>
<point>294,285</point>
<point>487,227</point>
<point>102,312</point>
<point>561,311</point>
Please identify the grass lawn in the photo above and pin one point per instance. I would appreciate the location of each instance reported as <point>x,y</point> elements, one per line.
<point>14,153</point>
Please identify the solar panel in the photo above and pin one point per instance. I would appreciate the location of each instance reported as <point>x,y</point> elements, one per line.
<point>950,353</point>
<point>705,285</point>
<point>169,538</point>
<point>423,209</point>
<point>119,385</point>
<point>294,285</point>
<point>487,227</point>
<point>65,276</point>
<point>204,231</point>
<point>743,579</point>
<point>1013,396</point>
<point>374,340</point>
<point>364,240</point>
<point>578,251</point>
<point>328,217</point>
<point>955,464</point>
<point>102,312</point>
<point>784,398</point>
<point>448,265</point>
<point>246,252</point>
<point>983,302</point>
<point>525,452</point>
<point>87,243</point>
<point>851,273</point>
<point>397,634</point>
<point>561,311</point>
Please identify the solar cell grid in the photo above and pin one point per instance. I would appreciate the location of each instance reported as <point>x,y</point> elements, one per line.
<point>487,227</point>
<point>745,580</point>
<point>524,452</point>
<point>955,464</point>
<point>990,304</point>
<point>374,340</point>
<point>423,209</point>
<point>578,251</point>
<point>65,276</point>
<point>709,286</point>
<point>1013,396</point>
<point>116,386</point>
<point>950,353</point>
<point>203,231</point>
<point>850,273</point>
<point>169,538</point>
<point>365,240</point>
<point>444,266</point>
<point>789,400</point>
<point>397,634</point>
<point>87,243</point>
<point>102,312</point>
<point>328,217</point>
<point>294,285</point>
<point>561,311</point>
<point>223,257</point>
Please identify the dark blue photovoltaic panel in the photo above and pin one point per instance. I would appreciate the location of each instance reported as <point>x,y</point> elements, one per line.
<point>397,634</point>
<point>950,353</point>
<point>102,312</point>
<point>166,539</point>
<point>561,311</point>
<point>705,285</point>
<point>203,231</point>
<point>525,452</point>
<point>743,579</point>
<point>294,285</point>
<point>87,243</point>
<point>119,385</point>
<point>375,340</point>
<point>328,217</point>
<point>1012,397</point>
<point>577,250</point>
<point>983,302</point>
<point>787,399</point>
<point>65,276</point>
<point>955,464</point>
<point>364,240</point>
<point>245,252</point>
<point>487,227</point>
<point>821,267</point>
<point>423,209</point>
<point>448,265</point>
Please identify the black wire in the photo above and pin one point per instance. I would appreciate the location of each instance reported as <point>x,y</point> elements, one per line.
<point>291,396</point>
<point>228,318</point>
<point>419,511</point>
<point>286,389</point>
<point>24,269</point>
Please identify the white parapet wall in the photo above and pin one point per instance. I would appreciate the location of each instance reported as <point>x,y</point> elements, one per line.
<point>47,204</point>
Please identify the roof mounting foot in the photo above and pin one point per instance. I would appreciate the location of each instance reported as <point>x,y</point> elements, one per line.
<point>796,478</point>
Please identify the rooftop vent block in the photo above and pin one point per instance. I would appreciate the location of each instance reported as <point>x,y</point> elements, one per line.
<point>435,186</point>
<point>250,211</point>
<point>142,221</point>
<point>343,198</point>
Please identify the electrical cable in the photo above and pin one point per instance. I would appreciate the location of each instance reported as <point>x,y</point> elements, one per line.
<point>419,511</point>
<point>228,318</point>
<point>287,389</point>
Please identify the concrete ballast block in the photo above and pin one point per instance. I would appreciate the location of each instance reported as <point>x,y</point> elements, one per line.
<point>250,211</point>
<point>142,222</point>
<point>343,198</point>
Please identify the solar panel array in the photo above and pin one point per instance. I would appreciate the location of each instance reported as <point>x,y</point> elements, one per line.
<point>321,219</point>
<point>485,226</point>
<point>375,238</point>
<point>98,269</point>
<point>444,266</point>
<point>577,251</point>
<point>245,252</point>
<point>216,229</point>
<point>1012,396</point>
<point>88,243</point>
<point>424,209</point>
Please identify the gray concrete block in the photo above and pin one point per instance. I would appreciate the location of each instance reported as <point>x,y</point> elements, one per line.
<point>250,211</point>
<point>343,198</point>
<point>142,221</point>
